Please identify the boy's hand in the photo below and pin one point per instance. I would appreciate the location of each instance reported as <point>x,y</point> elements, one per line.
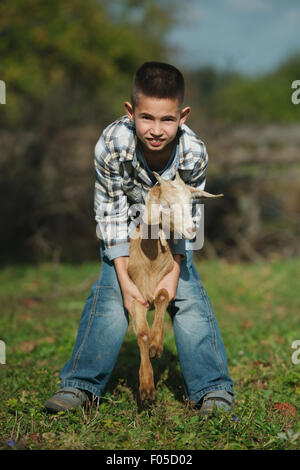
<point>170,280</point>
<point>131,292</point>
<point>128,288</point>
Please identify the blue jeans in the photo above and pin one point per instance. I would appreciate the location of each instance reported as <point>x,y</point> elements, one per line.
<point>104,323</point>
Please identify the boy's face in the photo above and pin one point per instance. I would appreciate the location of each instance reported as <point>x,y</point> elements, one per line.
<point>157,121</point>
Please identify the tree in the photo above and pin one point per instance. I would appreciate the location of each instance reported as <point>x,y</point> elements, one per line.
<point>66,64</point>
<point>66,61</point>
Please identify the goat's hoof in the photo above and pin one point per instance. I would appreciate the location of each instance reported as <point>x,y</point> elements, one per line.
<point>148,394</point>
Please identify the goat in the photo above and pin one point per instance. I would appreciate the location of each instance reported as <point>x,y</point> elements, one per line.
<point>150,259</point>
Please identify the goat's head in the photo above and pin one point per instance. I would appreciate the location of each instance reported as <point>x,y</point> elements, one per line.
<point>168,204</point>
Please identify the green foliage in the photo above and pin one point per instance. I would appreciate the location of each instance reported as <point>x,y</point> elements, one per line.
<point>236,98</point>
<point>257,310</point>
<point>66,62</point>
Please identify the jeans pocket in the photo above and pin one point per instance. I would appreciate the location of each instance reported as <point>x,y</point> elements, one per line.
<point>109,301</point>
<point>188,289</point>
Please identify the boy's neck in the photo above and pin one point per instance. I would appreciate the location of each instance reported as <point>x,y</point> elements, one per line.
<point>157,160</point>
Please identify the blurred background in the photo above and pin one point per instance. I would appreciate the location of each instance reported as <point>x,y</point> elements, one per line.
<point>68,67</point>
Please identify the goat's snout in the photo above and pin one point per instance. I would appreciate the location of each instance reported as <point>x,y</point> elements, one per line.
<point>191,230</point>
<point>190,233</point>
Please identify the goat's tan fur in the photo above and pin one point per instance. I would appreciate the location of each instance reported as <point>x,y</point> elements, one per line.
<point>149,261</point>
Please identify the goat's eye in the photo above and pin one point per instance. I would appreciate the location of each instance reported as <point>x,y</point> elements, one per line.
<point>165,205</point>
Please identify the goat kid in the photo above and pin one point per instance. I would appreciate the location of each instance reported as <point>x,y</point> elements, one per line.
<point>150,259</point>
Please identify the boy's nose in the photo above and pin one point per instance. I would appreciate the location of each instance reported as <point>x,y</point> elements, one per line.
<point>156,131</point>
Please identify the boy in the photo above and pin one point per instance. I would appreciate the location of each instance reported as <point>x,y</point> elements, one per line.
<point>151,137</point>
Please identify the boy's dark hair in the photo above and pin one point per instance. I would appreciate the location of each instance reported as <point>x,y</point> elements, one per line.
<point>157,80</point>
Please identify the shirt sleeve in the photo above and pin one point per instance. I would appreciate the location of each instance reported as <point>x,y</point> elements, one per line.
<point>178,247</point>
<point>198,176</point>
<point>110,202</point>
<point>198,180</point>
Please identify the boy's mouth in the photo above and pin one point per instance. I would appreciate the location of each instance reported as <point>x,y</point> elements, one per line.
<point>155,142</point>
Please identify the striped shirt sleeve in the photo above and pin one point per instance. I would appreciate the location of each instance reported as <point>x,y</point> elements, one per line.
<point>198,180</point>
<point>198,176</point>
<point>110,202</point>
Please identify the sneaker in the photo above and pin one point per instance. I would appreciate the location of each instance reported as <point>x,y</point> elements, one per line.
<point>66,399</point>
<point>218,399</point>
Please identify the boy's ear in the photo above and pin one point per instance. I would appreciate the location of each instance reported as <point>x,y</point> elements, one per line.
<point>129,110</point>
<point>184,114</point>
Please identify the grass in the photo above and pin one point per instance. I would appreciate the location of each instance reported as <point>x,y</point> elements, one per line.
<point>257,308</point>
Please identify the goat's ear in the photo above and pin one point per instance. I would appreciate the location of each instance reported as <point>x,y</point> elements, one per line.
<point>152,214</point>
<point>177,176</point>
<point>162,237</point>
<point>196,192</point>
<point>158,177</point>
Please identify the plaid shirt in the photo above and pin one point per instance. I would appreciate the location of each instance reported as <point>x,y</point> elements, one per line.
<point>123,181</point>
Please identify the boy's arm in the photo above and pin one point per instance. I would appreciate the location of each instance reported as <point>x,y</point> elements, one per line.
<point>110,202</point>
<point>128,288</point>
<point>197,179</point>
<point>170,281</point>
<point>111,213</point>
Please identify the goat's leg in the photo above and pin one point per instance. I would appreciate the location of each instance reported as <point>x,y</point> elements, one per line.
<point>141,328</point>
<point>161,302</point>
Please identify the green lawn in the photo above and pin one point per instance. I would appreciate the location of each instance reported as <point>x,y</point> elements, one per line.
<point>257,308</point>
